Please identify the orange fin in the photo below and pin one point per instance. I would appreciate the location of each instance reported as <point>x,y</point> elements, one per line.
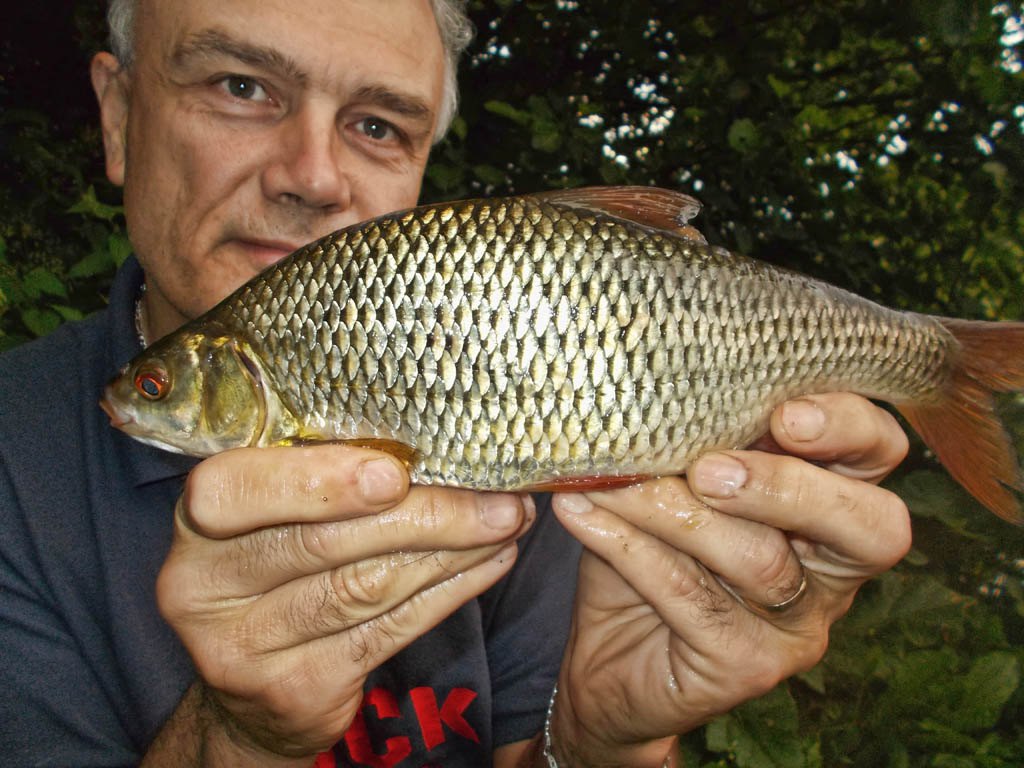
<point>963,429</point>
<point>650,206</point>
<point>691,233</point>
<point>401,451</point>
<point>581,484</point>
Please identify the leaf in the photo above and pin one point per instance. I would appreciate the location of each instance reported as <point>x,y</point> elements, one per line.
<point>40,321</point>
<point>916,557</point>
<point>93,264</point>
<point>120,247</point>
<point>504,109</point>
<point>744,135</point>
<point>546,136</point>
<point>988,685</point>
<point>41,281</point>
<point>444,176</point>
<point>68,314</point>
<point>90,206</point>
<point>780,87</point>
<point>459,127</point>
<point>934,494</point>
<point>488,174</point>
<point>763,733</point>
<point>814,678</point>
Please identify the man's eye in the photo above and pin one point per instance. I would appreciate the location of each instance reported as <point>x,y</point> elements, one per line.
<point>245,88</point>
<point>376,128</point>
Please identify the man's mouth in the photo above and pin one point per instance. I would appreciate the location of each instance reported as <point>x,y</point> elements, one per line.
<point>263,253</point>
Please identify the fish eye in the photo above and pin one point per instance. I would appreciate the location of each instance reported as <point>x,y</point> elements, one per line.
<point>151,384</point>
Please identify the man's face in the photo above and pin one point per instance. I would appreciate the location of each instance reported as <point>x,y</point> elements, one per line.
<point>247,128</point>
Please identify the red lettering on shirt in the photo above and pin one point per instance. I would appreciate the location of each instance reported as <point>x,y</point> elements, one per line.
<point>357,739</point>
<point>424,701</point>
<point>432,719</point>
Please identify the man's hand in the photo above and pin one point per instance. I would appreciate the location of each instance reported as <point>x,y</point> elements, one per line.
<point>696,594</point>
<point>294,572</point>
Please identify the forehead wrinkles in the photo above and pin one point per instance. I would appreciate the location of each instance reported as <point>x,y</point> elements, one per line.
<point>209,43</point>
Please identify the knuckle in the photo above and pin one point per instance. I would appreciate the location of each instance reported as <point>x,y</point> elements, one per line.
<point>259,553</point>
<point>353,595</point>
<point>892,528</point>
<point>316,541</point>
<point>709,606</point>
<point>436,510</point>
<point>896,439</point>
<point>171,591</point>
<point>359,585</point>
<point>204,499</point>
<point>771,559</point>
<point>788,484</point>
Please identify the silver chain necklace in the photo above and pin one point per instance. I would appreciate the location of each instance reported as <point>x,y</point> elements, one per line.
<point>139,333</point>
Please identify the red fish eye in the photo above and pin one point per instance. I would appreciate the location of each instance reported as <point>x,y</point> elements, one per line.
<point>152,385</point>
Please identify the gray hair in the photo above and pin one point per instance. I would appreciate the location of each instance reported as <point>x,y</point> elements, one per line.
<point>450,15</point>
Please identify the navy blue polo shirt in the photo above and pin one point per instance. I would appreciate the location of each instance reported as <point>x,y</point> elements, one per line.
<point>89,671</point>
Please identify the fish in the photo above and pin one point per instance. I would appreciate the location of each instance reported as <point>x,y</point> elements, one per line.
<point>564,340</point>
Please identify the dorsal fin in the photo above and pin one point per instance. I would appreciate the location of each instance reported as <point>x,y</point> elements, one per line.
<point>650,206</point>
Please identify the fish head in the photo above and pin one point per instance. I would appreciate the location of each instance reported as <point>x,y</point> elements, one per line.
<point>193,392</point>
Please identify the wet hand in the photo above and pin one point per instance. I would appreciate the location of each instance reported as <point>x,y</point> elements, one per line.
<point>697,594</point>
<point>294,572</point>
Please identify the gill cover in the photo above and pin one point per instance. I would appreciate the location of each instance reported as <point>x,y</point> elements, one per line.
<point>233,408</point>
<point>239,406</point>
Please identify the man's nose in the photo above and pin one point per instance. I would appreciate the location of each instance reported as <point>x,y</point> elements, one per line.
<point>308,163</point>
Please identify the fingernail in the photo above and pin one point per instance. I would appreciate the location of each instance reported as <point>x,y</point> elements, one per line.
<point>803,420</point>
<point>500,511</point>
<point>574,503</point>
<point>717,476</point>
<point>379,481</point>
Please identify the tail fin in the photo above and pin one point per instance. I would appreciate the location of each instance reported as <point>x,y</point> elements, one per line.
<point>963,429</point>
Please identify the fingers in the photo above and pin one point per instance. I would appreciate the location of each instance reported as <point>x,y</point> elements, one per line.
<point>330,602</point>
<point>866,529</point>
<point>756,560</point>
<point>238,491</point>
<point>686,596</point>
<point>844,432</point>
<point>856,528</point>
<point>427,520</point>
<point>257,527</point>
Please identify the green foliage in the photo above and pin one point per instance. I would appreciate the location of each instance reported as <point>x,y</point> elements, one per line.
<point>59,244</point>
<point>874,144</point>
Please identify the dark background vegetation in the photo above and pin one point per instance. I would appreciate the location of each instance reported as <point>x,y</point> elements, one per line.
<point>876,144</point>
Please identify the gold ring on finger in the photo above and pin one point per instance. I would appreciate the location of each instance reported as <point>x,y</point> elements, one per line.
<point>790,601</point>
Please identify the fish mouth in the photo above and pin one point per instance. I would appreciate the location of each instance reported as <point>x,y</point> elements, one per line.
<point>117,420</point>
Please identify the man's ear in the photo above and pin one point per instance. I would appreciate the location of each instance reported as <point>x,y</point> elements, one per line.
<point>110,83</point>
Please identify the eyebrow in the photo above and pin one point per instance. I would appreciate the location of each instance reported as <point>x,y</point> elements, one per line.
<point>212,42</point>
<point>405,104</point>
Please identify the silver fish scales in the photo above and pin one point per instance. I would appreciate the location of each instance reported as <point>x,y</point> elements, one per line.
<point>551,340</point>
